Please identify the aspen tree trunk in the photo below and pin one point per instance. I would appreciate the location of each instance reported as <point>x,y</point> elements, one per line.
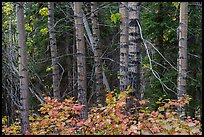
<point>53,47</point>
<point>182,58</point>
<point>100,92</point>
<point>123,46</point>
<point>74,70</point>
<point>81,62</point>
<point>134,49</point>
<point>23,75</point>
<point>11,60</point>
<point>124,81</point>
<point>105,80</point>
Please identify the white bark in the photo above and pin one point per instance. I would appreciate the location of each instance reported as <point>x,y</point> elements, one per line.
<point>23,74</point>
<point>90,36</point>
<point>81,62</point>
<point>123,47</point>
<point>182,58</point>
<point>53,47</point>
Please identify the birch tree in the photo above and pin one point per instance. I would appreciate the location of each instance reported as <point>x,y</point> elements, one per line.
<point>182,58</point>
<point>53,47</point>
<point>23,74</point>
<point>11,61</point>
<point>81,62</point>
<point>123,46</point>
<point>100,92</point>
<point>134,48</point>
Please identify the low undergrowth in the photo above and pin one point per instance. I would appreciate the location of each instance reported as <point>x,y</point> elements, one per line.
<point>62,118</point>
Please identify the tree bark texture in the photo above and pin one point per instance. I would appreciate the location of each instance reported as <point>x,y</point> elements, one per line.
<point>53,47</point>
<point>123,46</point>
<point>23,74</point>
<point>11,64</point>
<point>182,58</point>
<point>81,62</point>
<point>100,92</point>
<point>134,48</point>
<point>91,39</point>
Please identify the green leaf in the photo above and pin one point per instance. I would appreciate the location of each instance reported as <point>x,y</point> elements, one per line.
<point>44,31</point>
<point>28,27</point>
<point>7,8</point>
<point>44,11</point>
<point>129,90</point>
<point>48,69</point>
<point>115,17</point>
<point>118,16</point>
<point>176,4</point>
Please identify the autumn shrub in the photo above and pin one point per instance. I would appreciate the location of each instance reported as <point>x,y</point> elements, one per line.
<point>166,121</point>
<point>62,118</point>
<point>110,120</point>
<point>57,118</point>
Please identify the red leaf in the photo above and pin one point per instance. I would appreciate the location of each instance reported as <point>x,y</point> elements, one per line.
<point>191,124</point>
<point>27,133</point>
<point>53,113</point>
<point>71,130</point>
<point>43,123</point>
<point>80,123</point>
<point>154,114</point>
<point>58,104</point>
<point>75,108</point>
<point>155,129</point>
<point>142,102</point>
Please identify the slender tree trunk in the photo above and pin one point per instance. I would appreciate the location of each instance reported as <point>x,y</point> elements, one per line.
<point>53,47</point>
<point>81,62</point>
<point>100,92</point>
<point>11,60</point>
<point>74,70</point>
<point>182,58</point>
<point>23,75</point>
<point>123,46</point>
<point>124,81</point>
<point>69,73</point>
<point>91,39</point>
<point>134,48</point>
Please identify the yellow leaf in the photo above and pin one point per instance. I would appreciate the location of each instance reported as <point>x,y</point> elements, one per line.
<point>38,118</point>
<point>161,108</point>
<point>158,102</point>
<point>142,111</point>
<point>7,8</point>
<point>31,118</point>
<point>44,11</point>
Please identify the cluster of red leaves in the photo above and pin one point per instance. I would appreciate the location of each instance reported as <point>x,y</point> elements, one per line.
<point>62,118</point>
<point>110,120</point>
<point>165,120</point>
<point>57,118</point>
